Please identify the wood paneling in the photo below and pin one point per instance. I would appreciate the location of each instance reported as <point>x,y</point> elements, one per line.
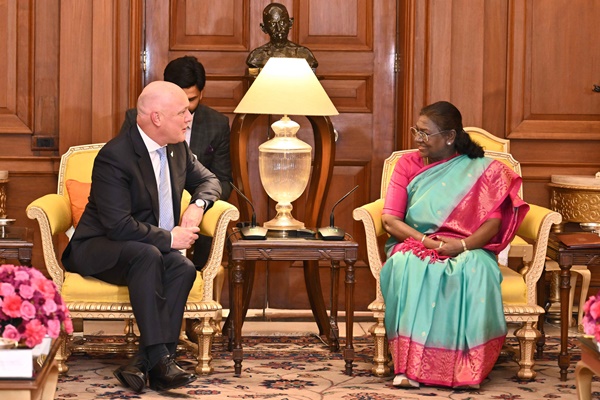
<point>209,25</point>
<point>16,67</point>
<point>552,70</point>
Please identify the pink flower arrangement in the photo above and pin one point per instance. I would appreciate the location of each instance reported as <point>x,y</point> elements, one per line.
<point>591,316</point>
<point>30,306</point>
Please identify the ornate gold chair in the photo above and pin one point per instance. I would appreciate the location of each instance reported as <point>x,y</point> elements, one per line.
<point>90,298</point>
<point>518,288</point>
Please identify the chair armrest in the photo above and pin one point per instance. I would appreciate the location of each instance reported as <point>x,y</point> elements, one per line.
<point>370,215</point>
<point>214,224</point>
<point>53,213</point>
<point>536,229</point>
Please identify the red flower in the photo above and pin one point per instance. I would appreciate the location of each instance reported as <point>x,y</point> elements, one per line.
<point>11,306</point>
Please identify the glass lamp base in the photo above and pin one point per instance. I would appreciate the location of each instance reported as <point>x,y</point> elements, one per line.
<point>283,221</point>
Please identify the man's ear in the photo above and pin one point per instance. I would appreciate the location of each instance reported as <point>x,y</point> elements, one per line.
<point>155,118</point>
<point>262,28</point>
<point>291,22</point>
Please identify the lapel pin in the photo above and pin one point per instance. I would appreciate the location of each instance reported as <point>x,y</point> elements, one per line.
<point>171,153</point>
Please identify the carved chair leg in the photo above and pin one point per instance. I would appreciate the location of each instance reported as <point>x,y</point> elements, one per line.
<point>206,332</point>
<point>527,335</point>
<point>380,358</point>
<point>131,338</point>
<point>63,353</point>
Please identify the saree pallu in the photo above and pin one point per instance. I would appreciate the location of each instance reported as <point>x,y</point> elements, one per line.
<point>444,316</point>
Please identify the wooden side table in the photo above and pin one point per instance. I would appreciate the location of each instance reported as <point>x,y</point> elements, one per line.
<point>243,253</point>
<point>567,257</point>
<point>41,387</point>
<point>17,243</point>
<point>586,368</point>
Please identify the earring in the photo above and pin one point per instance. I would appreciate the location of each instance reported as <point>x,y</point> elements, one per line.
<point>448,143</point>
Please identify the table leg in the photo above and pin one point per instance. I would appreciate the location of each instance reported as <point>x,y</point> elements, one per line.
<point>349,350</point>
<point>315,296</point>
<point>247,293</point>
<point>583,380</point>
<point>565,285</point>
<point>334,345</point>
<point>237,273</point>
<point>542,301</point>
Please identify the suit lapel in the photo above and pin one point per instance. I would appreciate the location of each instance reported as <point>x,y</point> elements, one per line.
<point>146,169</point>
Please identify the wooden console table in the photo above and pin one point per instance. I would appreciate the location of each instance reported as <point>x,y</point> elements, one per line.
<point>41,387</point>
<point>16,243</point>
<point>243,253</point>
<point>566,257</point>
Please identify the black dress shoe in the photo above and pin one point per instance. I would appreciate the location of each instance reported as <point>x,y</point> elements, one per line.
<point>132,375</point>
<point>166,374</point>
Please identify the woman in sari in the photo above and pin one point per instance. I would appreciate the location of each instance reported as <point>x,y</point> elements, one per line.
<point>449,211</point>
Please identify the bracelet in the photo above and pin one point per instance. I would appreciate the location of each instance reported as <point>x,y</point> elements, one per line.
<point>423,238</point>
<point>464,245</point>
<point>441,244</point>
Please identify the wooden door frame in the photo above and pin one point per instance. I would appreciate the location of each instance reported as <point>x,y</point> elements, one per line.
<point>404,96</point>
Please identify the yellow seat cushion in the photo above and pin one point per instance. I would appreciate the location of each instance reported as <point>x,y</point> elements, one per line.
<point>77,288</point>
<point>514,290</point>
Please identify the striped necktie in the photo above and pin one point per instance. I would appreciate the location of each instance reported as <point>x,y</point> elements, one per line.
<point>165,201</point>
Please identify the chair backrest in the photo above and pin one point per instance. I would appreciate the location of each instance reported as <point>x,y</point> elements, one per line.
<point>492,145</point>
<point>77,164</point>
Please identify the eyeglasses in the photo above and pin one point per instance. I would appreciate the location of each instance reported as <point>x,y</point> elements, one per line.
<point>424,136</point>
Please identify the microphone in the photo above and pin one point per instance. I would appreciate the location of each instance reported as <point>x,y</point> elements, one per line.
<point>332,232</point>
<point>251,232</point>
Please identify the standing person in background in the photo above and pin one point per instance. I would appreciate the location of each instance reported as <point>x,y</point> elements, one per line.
<point>130,234</point>
<point>207,135</point>
<point>449,211</point>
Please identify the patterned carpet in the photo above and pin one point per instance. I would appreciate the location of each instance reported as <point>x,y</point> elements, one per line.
<point>302,368</point>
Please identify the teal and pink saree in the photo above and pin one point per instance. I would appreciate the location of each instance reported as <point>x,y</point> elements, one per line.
<point>444,316</point>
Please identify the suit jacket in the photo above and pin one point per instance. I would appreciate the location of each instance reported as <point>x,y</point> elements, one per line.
<point>123,202</point>
<point>209,142</point>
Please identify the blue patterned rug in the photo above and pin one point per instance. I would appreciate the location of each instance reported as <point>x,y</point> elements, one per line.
<point>302,368</point>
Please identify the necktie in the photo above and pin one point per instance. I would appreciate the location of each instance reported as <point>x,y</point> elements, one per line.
<point>165,201</point>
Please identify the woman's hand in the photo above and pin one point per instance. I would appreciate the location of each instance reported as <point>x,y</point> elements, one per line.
<point>451,247</point>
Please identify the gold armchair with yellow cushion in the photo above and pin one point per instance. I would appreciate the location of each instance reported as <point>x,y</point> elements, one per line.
<point>519,294</point>
<point>90,298</point>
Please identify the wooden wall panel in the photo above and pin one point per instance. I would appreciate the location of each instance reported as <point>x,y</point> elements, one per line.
<point>209,25</point>
<point>552,71</point>
<point>351,29</point>
<point>16,67</point>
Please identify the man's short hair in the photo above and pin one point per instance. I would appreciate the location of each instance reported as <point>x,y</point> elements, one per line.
<point>185,72</point>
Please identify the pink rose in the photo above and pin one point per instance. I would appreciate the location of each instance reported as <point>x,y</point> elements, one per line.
<point>6,289</point>
<point>595,310</point>
<point>21,275</point>
<point>53,327</point>
<point>12,306</point>
<point>589,326</point>
<point>68,324</point>
<point>26,291</point>
<point>28,310</point>
<point>34,332</point>
<point>10,332</point>
<point>49,306</point>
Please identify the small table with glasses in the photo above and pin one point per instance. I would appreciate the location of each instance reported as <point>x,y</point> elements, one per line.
<point>16,243</point>
<point>243,253</point>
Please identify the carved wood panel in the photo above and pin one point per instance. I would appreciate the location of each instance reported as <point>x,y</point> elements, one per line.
<point>553,66</point>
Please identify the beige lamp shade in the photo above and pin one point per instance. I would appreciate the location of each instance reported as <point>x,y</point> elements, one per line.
<point>286,86</point>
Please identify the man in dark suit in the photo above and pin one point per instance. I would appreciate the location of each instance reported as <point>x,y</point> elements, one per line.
<point>122,237</point>
<point>207,135</point>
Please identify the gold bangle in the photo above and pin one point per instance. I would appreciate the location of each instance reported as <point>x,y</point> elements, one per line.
<point>423,238</point>
<point>464,244</point>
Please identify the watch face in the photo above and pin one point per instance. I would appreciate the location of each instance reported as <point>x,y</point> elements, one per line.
<point>201,203</point>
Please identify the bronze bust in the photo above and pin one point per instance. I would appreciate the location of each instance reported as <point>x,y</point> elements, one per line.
<point>277,24</point>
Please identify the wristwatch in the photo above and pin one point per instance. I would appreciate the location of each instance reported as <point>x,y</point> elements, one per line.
<point>201,203</point>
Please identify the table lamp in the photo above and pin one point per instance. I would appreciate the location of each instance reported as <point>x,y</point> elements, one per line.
<point>285,86</point>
